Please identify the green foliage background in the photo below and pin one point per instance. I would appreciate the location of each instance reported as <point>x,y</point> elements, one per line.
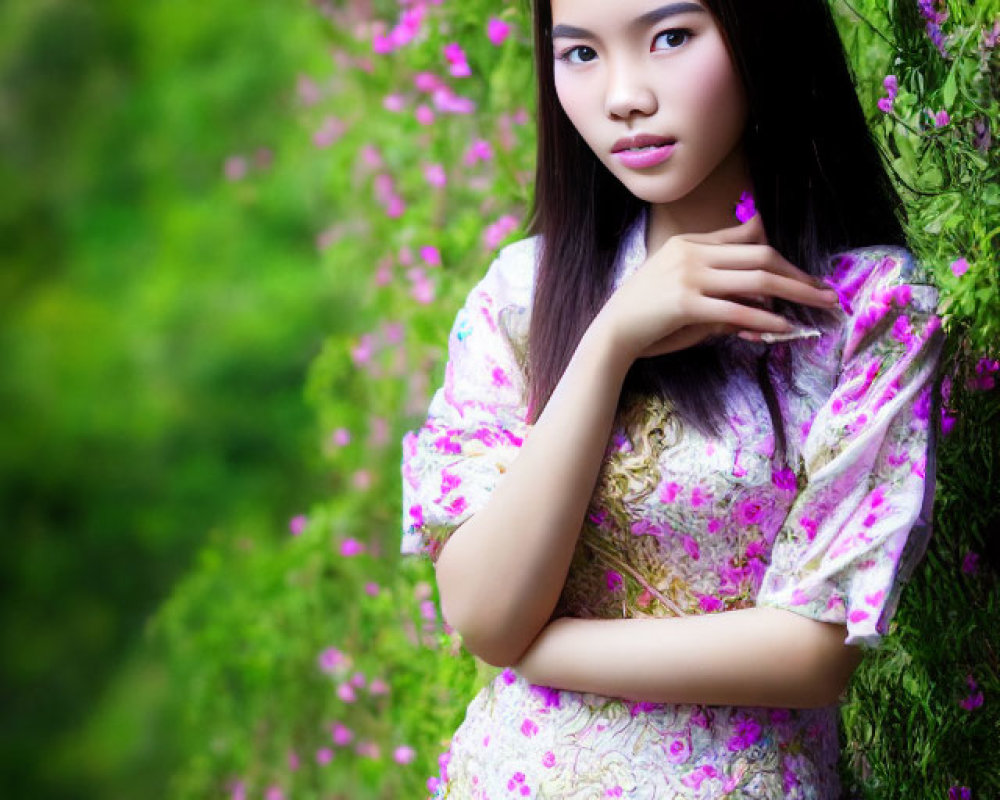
<point>204,207</point>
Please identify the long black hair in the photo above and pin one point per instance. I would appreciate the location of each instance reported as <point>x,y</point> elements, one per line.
<point>819,183</point>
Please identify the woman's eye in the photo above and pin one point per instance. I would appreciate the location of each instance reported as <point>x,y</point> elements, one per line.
<point>671,39</point>
<point>580,54</point>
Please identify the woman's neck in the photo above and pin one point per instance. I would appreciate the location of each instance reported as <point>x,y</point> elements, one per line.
<point>708,207</point>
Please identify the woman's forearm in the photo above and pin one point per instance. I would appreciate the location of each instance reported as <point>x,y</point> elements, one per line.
<point>500,574</point>
<point>746,657</point>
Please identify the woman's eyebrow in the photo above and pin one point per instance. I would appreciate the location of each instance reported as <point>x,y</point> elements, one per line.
<point>643,21</point>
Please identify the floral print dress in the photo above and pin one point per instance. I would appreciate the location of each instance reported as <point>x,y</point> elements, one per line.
<point>680,524</point>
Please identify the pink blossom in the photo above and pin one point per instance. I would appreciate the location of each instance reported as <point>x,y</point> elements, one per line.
<point>346,693</point>
<point>431,255</point>
<point>324,756</point>
<point>529,728</point>
<point>340,437</point>
<point>941,119</point>
<point>342,735</point>
<point>404,754</point>
<point>446,101</point>
<point>613,580</point>
<point>372,589</point>
<point>959,267</point>
<point>393,102</point>
<point>427,82</point>
<point>235,168</point>
<point>496,232</point>
<point>884,105</point>
<point>378,687</point>
<point>371,157</point>
<point>458,66</point>
<point>479,150</point>
<point>329,132</point>
<point>307,90</point>
<point>293,760</point>
<point>332,659</point>
<point>351,547</point>
<point>549,759</point>
<point>784,479</point>
<point>497,31</point>
<point>238,791</point>
<point>274,792</point>
<point>424,114</point>
<point>891,84</point>
<point>297,524</point>
<point>435,175</point>
<point>367,749</point>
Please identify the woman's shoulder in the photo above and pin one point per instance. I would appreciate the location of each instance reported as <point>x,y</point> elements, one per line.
<point>862,274</point>
<point>510,278</point>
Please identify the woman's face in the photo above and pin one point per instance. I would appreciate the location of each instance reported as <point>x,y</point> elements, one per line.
<point>654,69</point>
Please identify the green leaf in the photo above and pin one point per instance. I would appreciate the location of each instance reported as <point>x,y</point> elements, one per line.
<point>950,88</point>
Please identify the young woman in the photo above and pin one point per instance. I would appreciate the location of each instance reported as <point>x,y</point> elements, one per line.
<point>680,467</point>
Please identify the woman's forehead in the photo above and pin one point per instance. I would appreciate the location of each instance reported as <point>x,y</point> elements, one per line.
<point>579,18</point>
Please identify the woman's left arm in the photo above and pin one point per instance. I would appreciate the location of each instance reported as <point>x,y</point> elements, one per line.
<point>746,657</point>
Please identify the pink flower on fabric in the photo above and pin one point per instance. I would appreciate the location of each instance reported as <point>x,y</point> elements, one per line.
<point>799,598</point>
<point>614,580</point>
<point>508,676</point>
<point>699,497</point>
<point>747,733</point>
<point>678,750</point>
<point>549,759</point>
<point>709,603</point>
<point>714,524</point>
<point>614,791</point>
<point>668,491</point>
<point>691,547</point>
<point>749,512</point>
<point>785,480</point>
<point>528,727</point>
<point>547,694</point>
<point>695,778</point>
<point>858,615</point>
<point>497,31</point>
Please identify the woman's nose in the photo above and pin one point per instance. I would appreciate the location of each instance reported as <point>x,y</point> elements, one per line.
<point>628,92</point>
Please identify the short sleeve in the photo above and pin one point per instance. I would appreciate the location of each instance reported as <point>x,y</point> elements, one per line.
<point>862,519</point>
<point>476,420</point>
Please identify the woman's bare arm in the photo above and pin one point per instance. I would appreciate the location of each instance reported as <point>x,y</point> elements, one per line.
<point>746,657</point>
<point>501,572</point>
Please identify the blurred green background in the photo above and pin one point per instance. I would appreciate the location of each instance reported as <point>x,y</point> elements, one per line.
<point>156,323</point>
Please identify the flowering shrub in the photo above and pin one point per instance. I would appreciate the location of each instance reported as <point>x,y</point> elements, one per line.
<point>321,667</point>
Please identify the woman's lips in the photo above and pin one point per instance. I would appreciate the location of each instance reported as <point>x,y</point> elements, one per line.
<point>645,157</point>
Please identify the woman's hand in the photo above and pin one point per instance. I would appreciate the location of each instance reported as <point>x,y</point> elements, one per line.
<point>706,284</point>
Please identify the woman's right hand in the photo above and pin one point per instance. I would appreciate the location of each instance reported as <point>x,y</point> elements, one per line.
<point>701,285</point>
